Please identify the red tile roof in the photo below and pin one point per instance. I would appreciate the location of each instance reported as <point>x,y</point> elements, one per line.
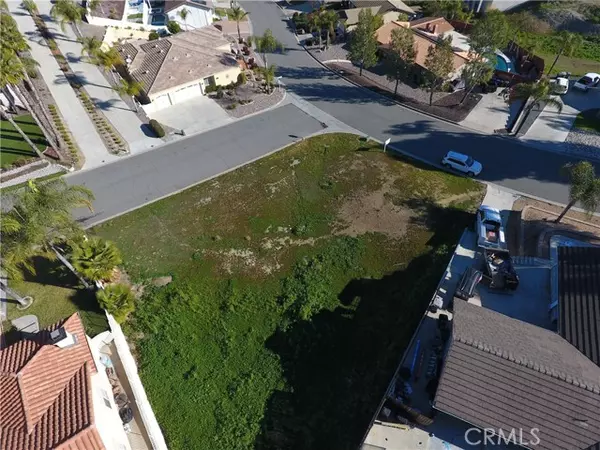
<point>46,400</point>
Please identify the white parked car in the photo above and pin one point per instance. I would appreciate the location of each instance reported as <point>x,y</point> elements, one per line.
<point>490,232</point>
<point>462,163</point>
<point>589,80</point>
<point>560,85</point>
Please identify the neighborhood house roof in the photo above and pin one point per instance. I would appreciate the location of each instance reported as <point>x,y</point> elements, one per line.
<point>506,374</point>
<point>180,59</point>
<point>579,298</point>
<point>423,39</point>
<point>45,398</point>
<point>385,5</point>
<point>170,5</point>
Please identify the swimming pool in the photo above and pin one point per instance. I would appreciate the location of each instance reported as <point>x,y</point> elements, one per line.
<point>504,63</point>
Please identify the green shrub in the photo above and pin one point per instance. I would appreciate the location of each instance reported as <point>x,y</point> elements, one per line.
<point>232,106</point>
<point>117,299</point>
<point>210,88</point>
<point>220,93</point>
<point>173,27</point>
<point>242,78</point>
<point>157,128</point>
<point>153,36</point>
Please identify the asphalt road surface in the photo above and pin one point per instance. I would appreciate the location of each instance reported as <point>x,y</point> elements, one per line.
<point>506,161</point>
<point>132,182</point>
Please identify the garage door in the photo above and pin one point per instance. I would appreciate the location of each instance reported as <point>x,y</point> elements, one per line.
<point>186,93</point>
<point>161,102</point>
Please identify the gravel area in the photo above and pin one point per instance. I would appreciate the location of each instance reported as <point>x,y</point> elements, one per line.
<point>584,143</point>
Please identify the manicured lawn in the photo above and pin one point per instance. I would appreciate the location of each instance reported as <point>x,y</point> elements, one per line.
<point>588,120</point>
<point>57,295</point>
<point>297,283</point>
<point>13,147</point>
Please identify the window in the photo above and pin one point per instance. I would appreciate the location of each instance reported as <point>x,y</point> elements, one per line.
<point>105,398</point>
<point>470,161</point>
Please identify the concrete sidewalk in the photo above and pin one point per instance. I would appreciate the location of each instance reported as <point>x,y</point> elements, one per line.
<point>72,111</point>
<point>101,93</point>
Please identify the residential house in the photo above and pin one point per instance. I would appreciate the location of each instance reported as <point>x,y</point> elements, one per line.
<point>179,67</point>
<point>199,13</point>
<point>481,6</point>
<point>504,374</point>
<point>426,32</point>
<point>387,9</point>
<point>56,395</point>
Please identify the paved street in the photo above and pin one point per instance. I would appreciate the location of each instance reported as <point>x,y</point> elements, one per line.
<point>139,179</point>
<point>506,162</point>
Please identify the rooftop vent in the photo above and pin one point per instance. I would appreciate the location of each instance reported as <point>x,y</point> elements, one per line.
<point>155,46</point>
<point>62,338</point>
<point>175,58</point>
<point>187,55</point>
<point>190,71</point>
<point>146,72</point>
<point>171,77</point>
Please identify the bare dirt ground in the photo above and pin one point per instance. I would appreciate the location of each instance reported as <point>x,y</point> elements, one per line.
<point>538,226</point>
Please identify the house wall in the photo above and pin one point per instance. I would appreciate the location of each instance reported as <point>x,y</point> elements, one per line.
<point>197,17</point>
<point>221,79</point>
<point>107,420</point>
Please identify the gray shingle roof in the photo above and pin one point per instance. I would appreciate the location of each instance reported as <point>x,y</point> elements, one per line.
<point>179,59</point>
<point>579,298</point>
<point>506,374</point>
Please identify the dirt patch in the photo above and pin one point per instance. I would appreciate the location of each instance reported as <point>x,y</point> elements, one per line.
<point>538,226</point>
<point>373,212</point>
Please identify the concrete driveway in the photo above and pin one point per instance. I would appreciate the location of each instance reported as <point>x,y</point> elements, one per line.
<point>554,126</point>
<point>196,115</point>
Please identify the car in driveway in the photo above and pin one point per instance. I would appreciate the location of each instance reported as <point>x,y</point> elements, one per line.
<point>462,163</point>
<point>560,84</point>
<point>490,232</point>
<point>588,81</point>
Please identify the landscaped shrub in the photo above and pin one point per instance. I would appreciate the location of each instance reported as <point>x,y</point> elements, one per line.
<point>117,299</point>
<point>232,106</point>
<point>242,78</point>
<point>210,88</point>
<point>220,93</point>
<point>157,128</point>
<point>173,27</point>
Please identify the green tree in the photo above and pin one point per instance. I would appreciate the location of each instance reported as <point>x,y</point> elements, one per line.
<point>130,88</point>
<point>489,33</point>
<point>268,74</point>
<point>93,5</point>
<point>95,259</point>
<point>30,6</point>
<point>400,56</point>
<point>540,92</point>
<point>90,46</point>
<point>12,72</point>
<point>329,20</point>
<point>238,15</point>
<point>109,59</point>
<point>439,65</point>
<point>476,71</point>
<point>450,9</point>
<point>402,17</point>
<point>267,43</point>
<point>314,25</point>
<point>117,299</point>
<point>183,14</point>
<point>584,187</point>
<point>363,45</point>
<point>39,220</point>
<point>569,43</point>
<point>173,27</point>
<point>67,11</point>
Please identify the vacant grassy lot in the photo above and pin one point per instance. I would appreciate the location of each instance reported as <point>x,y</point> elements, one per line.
<point>57,294</point>
<point>297,282</point>
<point>12,145</point>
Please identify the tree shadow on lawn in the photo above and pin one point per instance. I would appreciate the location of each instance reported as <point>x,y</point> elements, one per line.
<point>339,364</point>
<point>51,273</point>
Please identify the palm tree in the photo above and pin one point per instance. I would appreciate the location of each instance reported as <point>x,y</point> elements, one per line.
<point>93,5</point>
<point>95,259</point>
<point>267,43</point>
<point>131,89</point>
<point>15,258</point>
<point>117,299</point>
<point>184,13</point>
<point>329,20</point>
<point>569,43</point>
<point>314,24</point>
<point>11,72</point>
<point>269,75</point>
<point>237,14</point>
<point>584,187</point>
<point>67,11</point>
<point>109,59</point>
<point>30,6</point>
<point>90,46</point>
<point>540,92</point>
